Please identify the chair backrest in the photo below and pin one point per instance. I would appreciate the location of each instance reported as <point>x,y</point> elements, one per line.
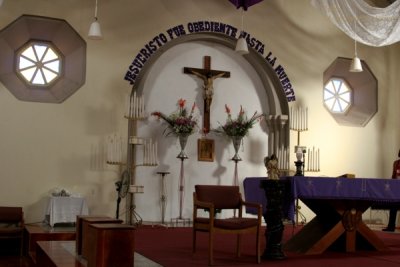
<point>11,214</point>
<point>222,196</point>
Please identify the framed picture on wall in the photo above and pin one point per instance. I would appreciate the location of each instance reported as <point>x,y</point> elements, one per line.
<point>205,149</point>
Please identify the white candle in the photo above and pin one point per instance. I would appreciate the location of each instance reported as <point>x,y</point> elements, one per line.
<point>126,106</point>
<point>143,110</point>
<point>307,118</point>
<point>291,118</point>
<point>108,149</point>
<point>156,152</point>
<point>139,107</point>
<point>287,159</point>
<point>153,154</point>
<point>134,114</point>
<point>130,107</point>
<point>120,149</point>
<point>301,118</point>
<point>148,151</point>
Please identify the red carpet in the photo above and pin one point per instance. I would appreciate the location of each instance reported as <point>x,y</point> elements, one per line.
<point>173,247</point>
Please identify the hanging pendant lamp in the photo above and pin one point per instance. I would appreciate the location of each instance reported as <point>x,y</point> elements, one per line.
<point>95,30</point>
<point>355,65</point>
<point>241,44</point>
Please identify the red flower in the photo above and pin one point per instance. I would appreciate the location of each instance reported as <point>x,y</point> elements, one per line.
<point>241,112</point>
<point>240,125</point>
<point>181,102</point>
<point>156,113</point>
<point>227,109</point>
<point>179,122</point>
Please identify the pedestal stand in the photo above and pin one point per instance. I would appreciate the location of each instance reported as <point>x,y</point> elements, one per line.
<point>275,193</point>
<point>180,219</point>
<point>299,168</point>
<point>236,140</point>
<point>236,173</point>
<point>163,198</point>
<point>135,218</point>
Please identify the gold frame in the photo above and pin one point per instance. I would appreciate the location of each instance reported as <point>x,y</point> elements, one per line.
<point>205,149</point>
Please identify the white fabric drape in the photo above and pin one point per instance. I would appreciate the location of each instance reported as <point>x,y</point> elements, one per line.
<point>369,25</point>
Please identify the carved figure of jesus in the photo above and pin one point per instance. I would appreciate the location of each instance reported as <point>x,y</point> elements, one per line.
<point>208,86</point>
<point>208,76</point>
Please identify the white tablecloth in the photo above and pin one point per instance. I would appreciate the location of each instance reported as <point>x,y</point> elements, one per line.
<point>65,209</point>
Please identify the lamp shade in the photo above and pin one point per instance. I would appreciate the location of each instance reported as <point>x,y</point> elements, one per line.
<point>95,31</point>
<point>356,65</point>
<point>241,46</point>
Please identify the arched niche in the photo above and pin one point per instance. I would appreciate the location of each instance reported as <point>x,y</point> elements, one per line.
<point>276,102</point>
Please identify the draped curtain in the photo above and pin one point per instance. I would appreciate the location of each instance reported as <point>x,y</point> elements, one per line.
<point>367,24</point>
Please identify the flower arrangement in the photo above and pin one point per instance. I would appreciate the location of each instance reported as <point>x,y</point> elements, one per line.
<point>180,122</point>
<point>239,126</point>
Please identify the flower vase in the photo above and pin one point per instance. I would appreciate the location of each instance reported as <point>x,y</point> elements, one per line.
<point>237,141</point>
<point>182,142</point>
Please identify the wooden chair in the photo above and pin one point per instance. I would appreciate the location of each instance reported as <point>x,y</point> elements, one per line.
<point>215,197</point>
<point>12,224</point>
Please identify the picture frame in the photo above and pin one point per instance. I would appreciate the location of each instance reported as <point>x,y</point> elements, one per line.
<point>205,149</point>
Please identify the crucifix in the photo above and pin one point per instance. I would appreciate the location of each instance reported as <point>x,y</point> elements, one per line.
<point>208,76</point>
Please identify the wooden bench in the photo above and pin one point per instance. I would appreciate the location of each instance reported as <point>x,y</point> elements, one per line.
<point>12,224</point>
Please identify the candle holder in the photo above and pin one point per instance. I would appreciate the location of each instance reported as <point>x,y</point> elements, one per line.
<point>182,156</point>
<point>300,155</point>
<point>163,198</point>
<point>134,112</point>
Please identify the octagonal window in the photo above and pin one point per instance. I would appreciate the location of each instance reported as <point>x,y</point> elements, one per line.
<point>39,64</point>
<point>337,95</point>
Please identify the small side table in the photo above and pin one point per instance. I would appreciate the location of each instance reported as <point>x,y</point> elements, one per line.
<point>65,209</point>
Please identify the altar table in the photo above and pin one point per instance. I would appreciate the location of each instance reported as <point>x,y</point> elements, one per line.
<point>338,204</point>
<point>65,209</point>
<point>254,193</point>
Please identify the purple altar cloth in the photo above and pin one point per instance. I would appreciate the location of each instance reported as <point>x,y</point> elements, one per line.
<point>376,190</point>
<point>254,193</point>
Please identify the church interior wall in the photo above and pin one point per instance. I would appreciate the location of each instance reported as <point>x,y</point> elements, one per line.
<point>44,146</point>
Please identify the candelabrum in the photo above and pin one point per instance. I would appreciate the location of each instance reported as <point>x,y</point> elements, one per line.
<point>299,123</point>
<point>134,112</point>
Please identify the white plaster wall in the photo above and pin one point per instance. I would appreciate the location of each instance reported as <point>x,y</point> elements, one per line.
<point>165,84</point>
